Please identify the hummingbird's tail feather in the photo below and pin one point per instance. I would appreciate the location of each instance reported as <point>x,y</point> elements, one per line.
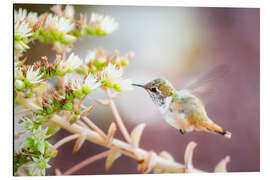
<point>210,126</point>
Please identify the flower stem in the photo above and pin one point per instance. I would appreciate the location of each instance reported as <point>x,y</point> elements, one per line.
<point>93,126</point>
<point>87,162</point>
<point>127,149</point>
<point>117,117</point>
<point>81,101</point>
<point>65,140</point>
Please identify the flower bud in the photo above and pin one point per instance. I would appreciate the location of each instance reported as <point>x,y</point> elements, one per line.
<point>19,85</point>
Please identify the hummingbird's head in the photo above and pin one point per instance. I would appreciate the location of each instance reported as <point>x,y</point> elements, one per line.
<point>158,89</point>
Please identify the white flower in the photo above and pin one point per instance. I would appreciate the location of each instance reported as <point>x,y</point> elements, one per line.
<point>33,76</point>
<point>32,18</point>
<point>22,30</point>
<point>106,23</point>
<point>75,82</point>
<point>70,64</point>
<point>69,38</point>
<point>27,124</point>
<point>91,82</point>
<point>90,56</point>
<point>61,47</point>
<point>60,24</point>
<point>125,85</point>
<point>20,15</point>
<point>39,165</point>
<point>40,134</point>
<point>69,11</point>
<point>111,74</point>
<point>19,85</point>
<point>18,72</point>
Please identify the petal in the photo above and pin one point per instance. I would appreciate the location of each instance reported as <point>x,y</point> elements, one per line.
<point>136,134</point>
<point>58,172</point>
<point>166,155</point>
<point>221,166</point>
<point>188,155</point>
<point>111,158</point>
<point>148,163</point>
<point>79,142</point>
<point>111,131</point>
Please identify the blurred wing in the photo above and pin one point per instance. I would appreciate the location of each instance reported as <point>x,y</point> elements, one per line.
<point>206,85</point>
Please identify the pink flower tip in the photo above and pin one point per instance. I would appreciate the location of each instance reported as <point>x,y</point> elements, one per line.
<point>227,159</point>
<point>192,144</point>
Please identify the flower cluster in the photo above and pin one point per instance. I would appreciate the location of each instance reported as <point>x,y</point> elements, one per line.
<point>22,30</point>
<point>59,28</point>
<point>26,76</point>
<point>68,65</point>
<point>111,77</point>
<point>101,25</point>
<point>35,150</point>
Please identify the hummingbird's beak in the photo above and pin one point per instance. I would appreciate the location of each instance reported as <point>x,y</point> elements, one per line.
<point>139,85</point>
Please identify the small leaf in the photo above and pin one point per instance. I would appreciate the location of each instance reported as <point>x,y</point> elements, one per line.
<point>111,158</point>
<point>221,167</point>
<point>31,104</point>
<point>111,131</point>
<point>102,102</point>
<point>58,172</point>
<point>188,155</point>
<point>89,110</point>
<point>148,163</point>
<point>79,142</point>
<point>136,134</point>
<point>166,155</point>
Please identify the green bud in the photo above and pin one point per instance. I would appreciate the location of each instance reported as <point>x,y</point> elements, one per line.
<point>70,70</point>
<point>27,83</point>
<point>68,106</point>
<point>49,110</point>
<point>117,87</point>
<point>19,85</point>
<point>124,62</point>
<point>77,112</point>
<point>74,119</point>
<point>85,90</point>
<point>100,32</point>
<point>82,70</point>
<point>28,94</point>
<point>77,33</point>
<point>59,73</point>
<point>78,93</point>
<point>57,105</point>
<point>90,31</point>
<point>70,96</point>
<point>50,151</point>
<point>52,129</point>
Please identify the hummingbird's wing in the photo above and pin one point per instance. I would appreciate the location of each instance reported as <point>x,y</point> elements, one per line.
<point>206,85</point>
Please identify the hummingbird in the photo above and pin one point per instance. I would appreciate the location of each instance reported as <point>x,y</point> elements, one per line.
<point>184,109</point>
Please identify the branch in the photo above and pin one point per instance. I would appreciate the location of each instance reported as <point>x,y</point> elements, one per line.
<point>118,145</point>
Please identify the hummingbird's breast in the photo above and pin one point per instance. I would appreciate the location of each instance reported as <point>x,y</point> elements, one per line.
<point>163,108</point>
<point>171,115</point>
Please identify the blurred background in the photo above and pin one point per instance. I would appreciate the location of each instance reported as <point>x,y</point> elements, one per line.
<point>177,43</point>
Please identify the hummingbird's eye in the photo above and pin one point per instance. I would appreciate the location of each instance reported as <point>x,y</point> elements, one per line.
<point>154,89</point>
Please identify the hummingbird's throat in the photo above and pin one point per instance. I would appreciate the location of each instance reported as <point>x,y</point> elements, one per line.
<point>160,101</point>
